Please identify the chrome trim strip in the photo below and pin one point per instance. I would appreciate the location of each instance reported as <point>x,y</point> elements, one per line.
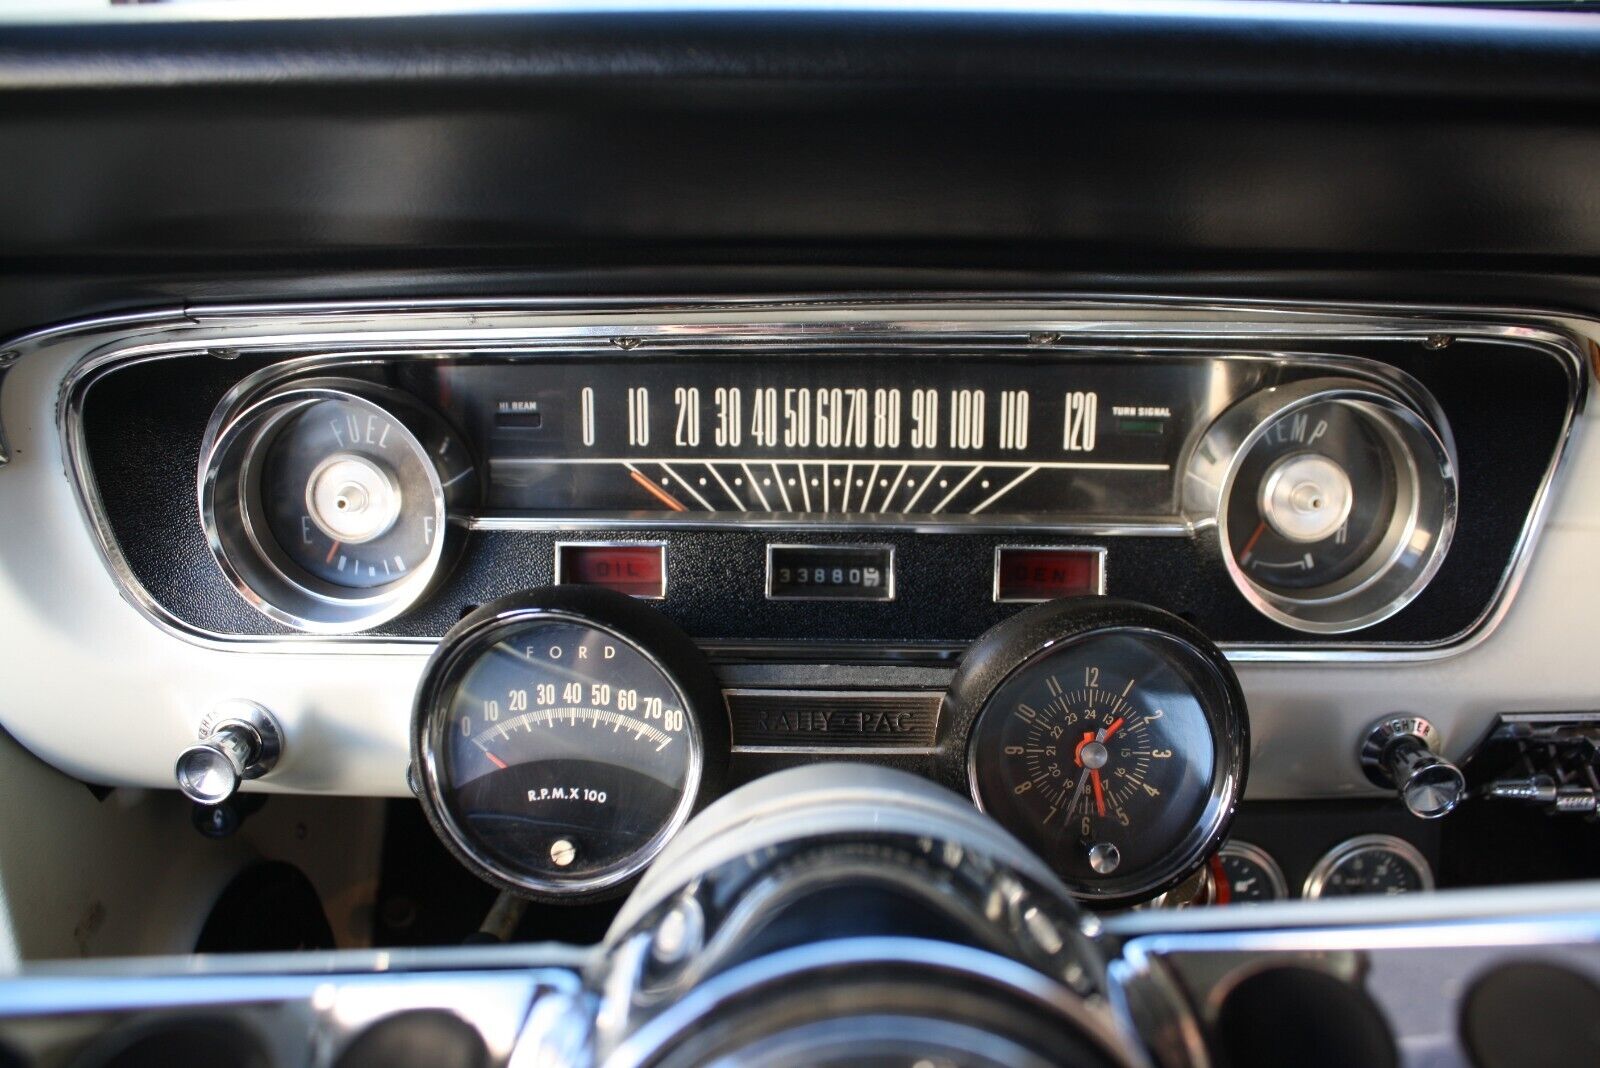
<point>833,750</point>
<point>8,359</point>
<point>1038,319</point>
<point>1153,528</point>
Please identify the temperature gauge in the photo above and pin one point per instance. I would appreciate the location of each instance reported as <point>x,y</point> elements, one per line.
<point>1334,501</point>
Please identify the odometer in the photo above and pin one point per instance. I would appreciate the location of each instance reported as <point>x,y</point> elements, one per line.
<point>1108,736</point>
<point>559,740</point>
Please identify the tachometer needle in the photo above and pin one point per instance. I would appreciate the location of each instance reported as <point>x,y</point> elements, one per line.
<point>496,761</point>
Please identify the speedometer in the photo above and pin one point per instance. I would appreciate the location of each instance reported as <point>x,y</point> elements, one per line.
<point>559,739</point>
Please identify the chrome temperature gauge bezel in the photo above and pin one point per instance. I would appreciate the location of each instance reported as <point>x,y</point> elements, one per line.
<point>1413,545</point>
<point>645,631</point>
<point>233,512</point>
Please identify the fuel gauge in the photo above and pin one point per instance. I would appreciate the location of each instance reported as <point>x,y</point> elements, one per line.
<point>327,502</point>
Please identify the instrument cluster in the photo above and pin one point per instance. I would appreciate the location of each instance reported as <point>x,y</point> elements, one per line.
<point>1322,492</point>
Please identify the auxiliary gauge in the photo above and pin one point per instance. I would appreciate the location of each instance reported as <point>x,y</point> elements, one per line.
<point>562,737</point>
<point>1109,736</point>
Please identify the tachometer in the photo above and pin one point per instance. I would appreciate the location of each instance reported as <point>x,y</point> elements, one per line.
<point>561,738</point>
<point>1109,736</point>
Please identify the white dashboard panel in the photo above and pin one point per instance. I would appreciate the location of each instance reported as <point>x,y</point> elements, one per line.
<point>95,687</point>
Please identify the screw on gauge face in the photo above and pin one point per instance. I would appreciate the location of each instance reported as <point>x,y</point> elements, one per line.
<point>563,852</point>
<point>1104,857</point>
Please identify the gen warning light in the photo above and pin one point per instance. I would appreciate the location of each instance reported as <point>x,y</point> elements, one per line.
<point>1043,574</point>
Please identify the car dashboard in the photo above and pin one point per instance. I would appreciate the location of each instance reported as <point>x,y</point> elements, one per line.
<point>652,538</point>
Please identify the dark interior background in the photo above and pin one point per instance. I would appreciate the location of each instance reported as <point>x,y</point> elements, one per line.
<point>1347,153</point>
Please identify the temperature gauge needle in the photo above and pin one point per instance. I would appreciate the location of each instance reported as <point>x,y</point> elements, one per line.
<point>1244,554</point>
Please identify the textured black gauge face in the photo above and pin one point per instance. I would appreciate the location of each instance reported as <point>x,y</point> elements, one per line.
<point>1101,754</point>
<point>564,754</point>
<point>348,495</point>
<point>1313,499</point>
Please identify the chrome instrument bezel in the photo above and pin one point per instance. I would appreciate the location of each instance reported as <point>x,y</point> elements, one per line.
<point>1426,503</point>
<point>1261,859</point>
<point>1317,880</point>
<point>355,331</point>
<point>256,567</point>
<point>445,670</point>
